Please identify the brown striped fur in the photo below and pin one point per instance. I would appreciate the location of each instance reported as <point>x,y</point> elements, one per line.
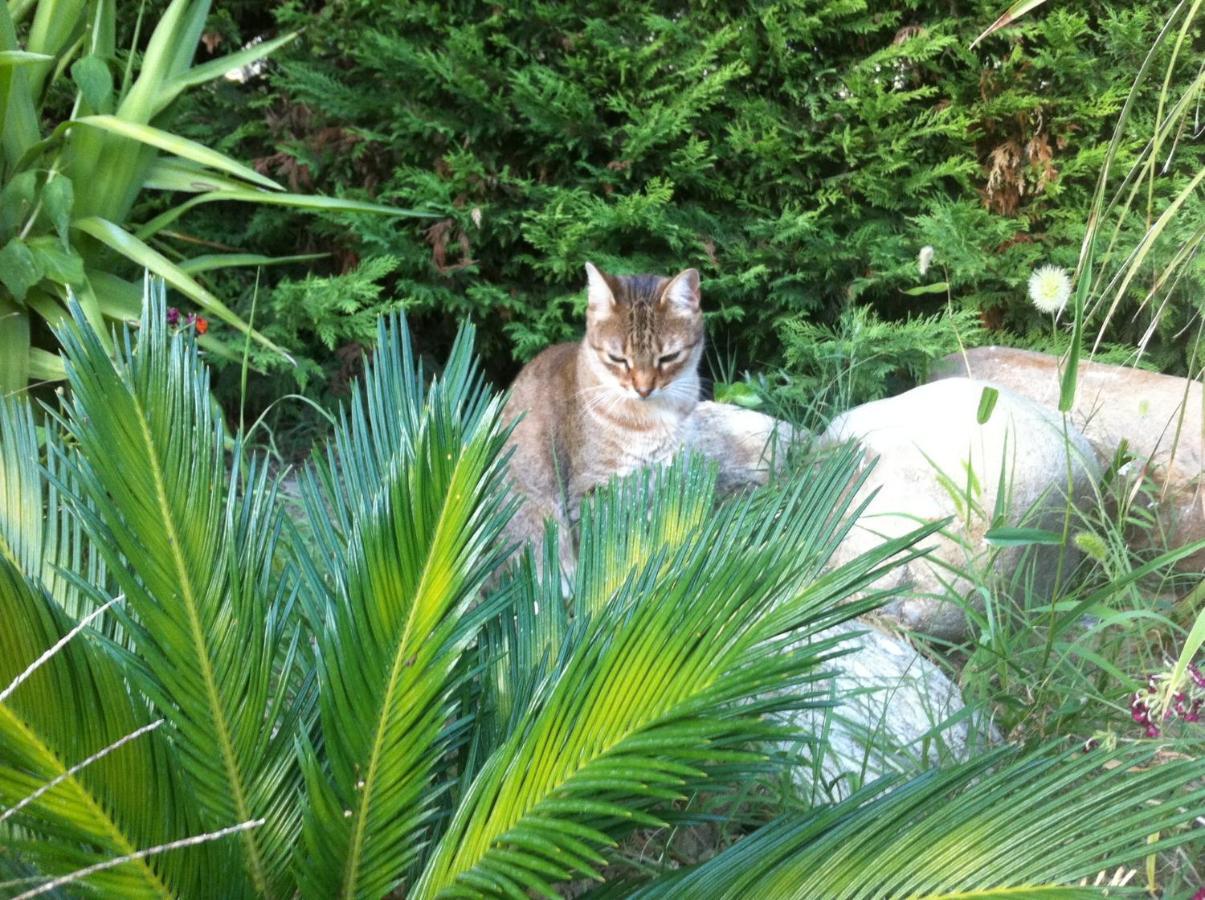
<point>607,405</point>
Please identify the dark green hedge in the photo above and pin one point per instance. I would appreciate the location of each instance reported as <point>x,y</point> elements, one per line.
<point>798,153</point>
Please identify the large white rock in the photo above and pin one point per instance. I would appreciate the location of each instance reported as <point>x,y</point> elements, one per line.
<point>933,460</point>
<point>895,712</point>
<point>1158,416</point>
<point>746,444</point>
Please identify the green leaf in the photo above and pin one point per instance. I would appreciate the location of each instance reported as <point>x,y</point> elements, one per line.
<point>216,68</point>
<point>174,144</point>
<point>45,366</point>
<point>75,703</point>
<point>738,393</point>
<point>987,403</point>
<point>193,554</point>
<point>293,201</point>
<point>115,297</point>
<point>427,534</point>
<point>1002,825</point>
<point>58,198</point>
<point>95,83</point>
<point>1070,377</point>
<point>937,287</point>
<point>1193,643</point>
<point>19,268</point>
<point>646,690</point>
<point>213,261</point>
<point>1010,15</point>
<point>17,202</point>
<point>171,174</point>
<point>22,58</point>
<point>1021,537</point>
<point>62,266</point>
<point>14,346</point>
<point>139,253</point>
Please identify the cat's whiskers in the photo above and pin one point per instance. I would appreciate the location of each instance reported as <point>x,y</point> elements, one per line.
<point>593,389</point>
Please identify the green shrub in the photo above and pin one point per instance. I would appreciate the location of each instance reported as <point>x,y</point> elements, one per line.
<point>863,358</point>
<point>799,153</point>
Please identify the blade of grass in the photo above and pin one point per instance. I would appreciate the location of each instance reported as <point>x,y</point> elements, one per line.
<point>1010,15</point>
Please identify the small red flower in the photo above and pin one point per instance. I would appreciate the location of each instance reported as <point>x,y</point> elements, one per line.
<point>202,325</point>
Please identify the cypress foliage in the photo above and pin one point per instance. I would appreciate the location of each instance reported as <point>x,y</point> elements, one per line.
<point>798,152</point>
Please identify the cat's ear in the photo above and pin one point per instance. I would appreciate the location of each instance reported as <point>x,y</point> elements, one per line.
<point>682,292</point>
<point>598,293</point>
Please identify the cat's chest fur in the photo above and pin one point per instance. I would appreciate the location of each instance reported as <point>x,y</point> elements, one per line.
<point>572,433</point>
<point>621,439</point>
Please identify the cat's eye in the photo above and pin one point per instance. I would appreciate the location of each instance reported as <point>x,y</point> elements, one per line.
<point>669,358</point>
<point>618,360</point>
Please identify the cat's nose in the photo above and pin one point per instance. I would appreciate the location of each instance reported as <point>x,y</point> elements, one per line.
<point>643,391</point>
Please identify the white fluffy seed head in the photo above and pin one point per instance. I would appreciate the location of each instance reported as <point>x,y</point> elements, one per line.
<point>1049,289</point>
<point>924,259</point>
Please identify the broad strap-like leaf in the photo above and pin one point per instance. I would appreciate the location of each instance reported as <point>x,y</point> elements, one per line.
<point>139,253</point>
<point>192,546</point>
<point>1002,825</point>
<point>175,145</point>
<point>14,346</point>
<point>419,511</point>
<point>313,202</point>
<point>216,68</point>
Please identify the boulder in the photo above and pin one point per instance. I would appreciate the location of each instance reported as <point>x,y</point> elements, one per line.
<point>896,712</point>
<point>746,444</point>
<point>932,460</point>
<point>1158,416</point>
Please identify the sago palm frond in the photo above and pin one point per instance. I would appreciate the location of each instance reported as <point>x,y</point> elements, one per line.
<point>77,751</point>
<point>666,680</point>
<point>73,709</point>
<point>39,534</point>
<point>191,544</point>
<point>408,512</point>
<point>624,525</point>
<point>1004,825</point>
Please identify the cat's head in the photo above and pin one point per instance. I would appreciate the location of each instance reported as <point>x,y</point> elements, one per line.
<point>645,332</point>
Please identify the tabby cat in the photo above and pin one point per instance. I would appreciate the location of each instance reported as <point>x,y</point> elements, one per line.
<point>608,405</point>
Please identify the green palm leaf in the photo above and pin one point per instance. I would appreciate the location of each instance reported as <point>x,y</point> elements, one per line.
<point>51,722</point>
<point>415,483</point>
<point>191,546</point>
<point>663,683</point>
<point>1003,825</point>
<point>76,704</point>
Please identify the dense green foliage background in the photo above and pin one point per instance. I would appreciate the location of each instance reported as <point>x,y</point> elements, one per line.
<point>798,153</point>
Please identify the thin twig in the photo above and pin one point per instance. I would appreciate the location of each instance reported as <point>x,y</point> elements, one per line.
<point>37,663</point>
<point>59,779</point>
<point>141,854</point>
